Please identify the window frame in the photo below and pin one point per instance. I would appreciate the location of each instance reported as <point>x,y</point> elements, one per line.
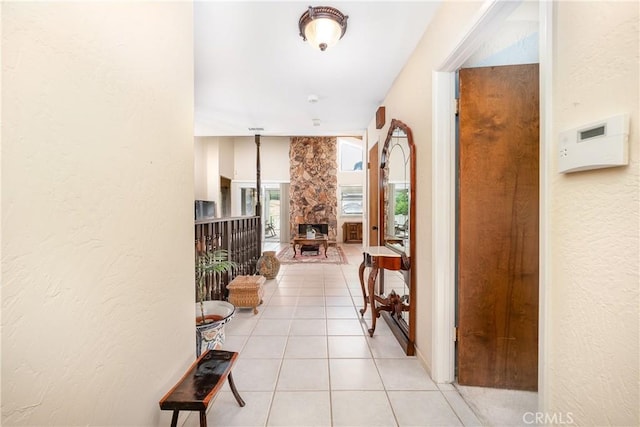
<point>356,199</point>
<point>357,144</point>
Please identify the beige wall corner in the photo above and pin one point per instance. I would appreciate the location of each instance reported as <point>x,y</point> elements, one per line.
<point>97,210</point>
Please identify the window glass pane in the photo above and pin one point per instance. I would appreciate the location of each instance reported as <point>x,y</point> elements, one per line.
<point>350,156</point>
<point>351,200</point>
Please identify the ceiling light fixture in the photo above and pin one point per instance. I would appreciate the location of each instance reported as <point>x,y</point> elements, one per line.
<point>322,26</point>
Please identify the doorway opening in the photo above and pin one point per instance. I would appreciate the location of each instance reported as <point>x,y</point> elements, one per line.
<point>487,22</point>
<point>271,214</point>
<point>225,197</point>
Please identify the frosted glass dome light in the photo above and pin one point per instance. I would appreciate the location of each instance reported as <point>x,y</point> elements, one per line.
<point>322,26</point>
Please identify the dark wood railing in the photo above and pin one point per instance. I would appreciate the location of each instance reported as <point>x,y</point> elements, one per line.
<point>240,237</point>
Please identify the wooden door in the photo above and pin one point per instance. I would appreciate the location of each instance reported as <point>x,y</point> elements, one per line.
<point>498,227</point>
<point>374,191</point>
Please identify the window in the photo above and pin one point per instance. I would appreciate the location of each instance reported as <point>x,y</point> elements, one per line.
<point>351,200</point>
<point>350,154</point>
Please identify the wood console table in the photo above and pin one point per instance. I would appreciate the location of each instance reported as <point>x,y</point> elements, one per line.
<point>378,257</point>
<point>302,239</point>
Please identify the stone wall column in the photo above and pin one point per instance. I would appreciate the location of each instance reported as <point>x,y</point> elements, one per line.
<point>314,182</point>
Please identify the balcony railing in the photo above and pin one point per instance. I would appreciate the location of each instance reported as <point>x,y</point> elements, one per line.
<point>240,237</point>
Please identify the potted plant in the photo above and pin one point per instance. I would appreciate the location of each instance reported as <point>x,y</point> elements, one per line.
<point>210,263</point>
<point>211,315</point>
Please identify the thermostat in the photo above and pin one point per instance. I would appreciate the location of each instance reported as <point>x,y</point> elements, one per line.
<point>602,144</point>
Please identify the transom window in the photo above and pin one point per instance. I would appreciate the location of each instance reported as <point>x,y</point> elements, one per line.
<point>350,152</point>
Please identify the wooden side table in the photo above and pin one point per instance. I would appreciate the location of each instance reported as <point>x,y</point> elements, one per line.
<point>352,232</point>
<point>301,240</point>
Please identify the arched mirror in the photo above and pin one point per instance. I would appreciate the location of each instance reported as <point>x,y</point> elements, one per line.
<point>397,204</point>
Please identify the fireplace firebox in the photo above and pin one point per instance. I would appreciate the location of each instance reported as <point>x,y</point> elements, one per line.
<point>320,228</point>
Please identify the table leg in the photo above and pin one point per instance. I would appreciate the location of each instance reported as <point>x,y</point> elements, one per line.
<point>364,291</point>
<point>174,418</point>
<point>326,246</point>
<point>234,390</point>
<point>203,418</point>
<point>294,249</point>
<point>373,274</point>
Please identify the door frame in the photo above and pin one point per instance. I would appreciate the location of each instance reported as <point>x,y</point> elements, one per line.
<point>486,22</point>
<point>373,211</point>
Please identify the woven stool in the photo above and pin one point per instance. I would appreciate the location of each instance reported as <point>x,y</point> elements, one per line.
<point>246,291</point>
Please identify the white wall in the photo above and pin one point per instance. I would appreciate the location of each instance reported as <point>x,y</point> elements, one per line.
<point>97,229</point>
<point>594,237</point>
<point>207,169</point>
<point>213,158</point>
<point>274,159</point>
<point>349,178</point>
<point>274,165</point>
<point>227,157</point>
<point>409,100</point>
<point>200,170</point>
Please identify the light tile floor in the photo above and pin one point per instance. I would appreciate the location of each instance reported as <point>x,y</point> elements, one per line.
<point>307,360</point>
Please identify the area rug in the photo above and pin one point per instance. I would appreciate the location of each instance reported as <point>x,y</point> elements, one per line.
<point>335,255</point>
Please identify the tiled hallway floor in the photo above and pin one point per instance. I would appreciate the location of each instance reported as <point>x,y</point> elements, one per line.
<point>306,360</point>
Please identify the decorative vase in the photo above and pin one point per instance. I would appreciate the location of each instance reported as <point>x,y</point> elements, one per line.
<point>268,265</point>
<point>211,335</point>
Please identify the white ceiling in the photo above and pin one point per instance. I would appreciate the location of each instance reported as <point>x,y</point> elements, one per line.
<point>253,70</point>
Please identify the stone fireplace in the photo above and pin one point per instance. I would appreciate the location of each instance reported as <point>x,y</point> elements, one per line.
<point>314,183</point>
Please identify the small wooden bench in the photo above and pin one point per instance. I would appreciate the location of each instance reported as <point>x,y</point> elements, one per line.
<point>200,384</point>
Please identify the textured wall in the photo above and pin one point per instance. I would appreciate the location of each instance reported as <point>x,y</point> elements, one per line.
<point>97,210</point>
<point>313,175</point>
<point>594,238</point>
<point>409,100</point>
<point>274,159</point>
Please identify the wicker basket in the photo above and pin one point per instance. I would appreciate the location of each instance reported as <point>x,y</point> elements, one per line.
<point>246,291</point>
